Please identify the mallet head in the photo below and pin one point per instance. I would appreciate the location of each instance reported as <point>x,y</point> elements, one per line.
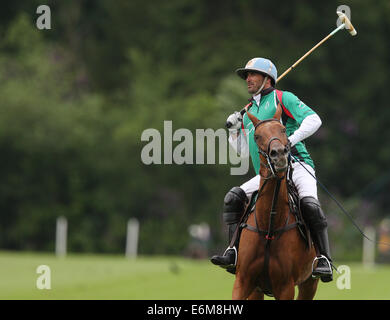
<point>348,25</point>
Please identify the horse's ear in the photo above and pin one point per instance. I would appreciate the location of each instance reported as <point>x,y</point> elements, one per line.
<point>278,112</point>
<point>253,118</point>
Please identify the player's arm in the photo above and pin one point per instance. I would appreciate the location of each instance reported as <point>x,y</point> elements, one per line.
<point>308,120</point>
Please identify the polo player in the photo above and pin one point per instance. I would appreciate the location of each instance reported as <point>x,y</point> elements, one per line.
<point>301,122</point>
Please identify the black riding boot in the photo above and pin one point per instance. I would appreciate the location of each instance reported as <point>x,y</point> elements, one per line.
<point>234,206</point>
<point>316,221</point>
<point>228,259</point>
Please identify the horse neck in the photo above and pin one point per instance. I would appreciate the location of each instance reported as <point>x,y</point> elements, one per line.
<point>264,204</point>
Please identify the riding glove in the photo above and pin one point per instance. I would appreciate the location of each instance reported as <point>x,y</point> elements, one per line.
<point>235,119</point>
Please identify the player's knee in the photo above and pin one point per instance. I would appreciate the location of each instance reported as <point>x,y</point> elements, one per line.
<point>312,212</point>
<point>234,205</point>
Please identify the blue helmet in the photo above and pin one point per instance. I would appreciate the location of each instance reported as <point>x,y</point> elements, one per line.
<point>261,65</point>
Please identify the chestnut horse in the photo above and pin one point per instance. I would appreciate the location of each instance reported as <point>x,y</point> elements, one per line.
<point>273,258</point>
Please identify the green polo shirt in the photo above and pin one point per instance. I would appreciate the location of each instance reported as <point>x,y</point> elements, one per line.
<point>266,110</point>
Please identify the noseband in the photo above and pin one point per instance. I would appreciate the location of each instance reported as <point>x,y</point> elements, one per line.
<point>269,164</point>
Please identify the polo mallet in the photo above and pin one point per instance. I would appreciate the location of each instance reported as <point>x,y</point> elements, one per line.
<point>346,24</point>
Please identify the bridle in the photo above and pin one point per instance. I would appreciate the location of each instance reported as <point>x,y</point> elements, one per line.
<point>269,164</point>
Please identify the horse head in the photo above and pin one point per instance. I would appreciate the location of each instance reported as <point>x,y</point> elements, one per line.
<point>272,142</point>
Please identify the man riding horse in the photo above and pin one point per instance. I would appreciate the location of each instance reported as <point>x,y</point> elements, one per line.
<point>301,122</point>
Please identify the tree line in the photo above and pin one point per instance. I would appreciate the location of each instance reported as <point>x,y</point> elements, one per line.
<point>75,99</point>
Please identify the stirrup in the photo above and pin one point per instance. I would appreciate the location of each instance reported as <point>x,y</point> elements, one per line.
<point>317,258</point>
<point>235,256</point>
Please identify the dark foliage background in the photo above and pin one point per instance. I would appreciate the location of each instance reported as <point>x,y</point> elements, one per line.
<point>74,101</point>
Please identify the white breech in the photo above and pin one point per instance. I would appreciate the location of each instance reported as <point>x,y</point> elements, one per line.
<point>305,183</point>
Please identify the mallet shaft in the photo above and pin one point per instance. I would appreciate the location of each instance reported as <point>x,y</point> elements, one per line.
<point>310,51</point>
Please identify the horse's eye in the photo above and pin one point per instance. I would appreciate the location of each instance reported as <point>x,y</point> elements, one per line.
<point>257,137</point>
<point>284,130</point>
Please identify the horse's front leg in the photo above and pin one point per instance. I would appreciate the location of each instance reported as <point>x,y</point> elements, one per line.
<point>285,291</point>
<point>308,289</point>
<point>248,265</point>
<point>256,294</point>
<point>242,288</point>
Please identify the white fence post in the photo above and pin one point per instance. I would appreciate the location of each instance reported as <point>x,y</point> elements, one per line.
<point>61,235</point>
<point>132,238</point>
<point>369,248</point>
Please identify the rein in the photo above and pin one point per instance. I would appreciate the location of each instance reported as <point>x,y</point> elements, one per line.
<point>342,208</point>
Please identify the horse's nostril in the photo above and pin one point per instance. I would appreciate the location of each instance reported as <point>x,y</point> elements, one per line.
<point>285,150</point>
<point>273,153</point>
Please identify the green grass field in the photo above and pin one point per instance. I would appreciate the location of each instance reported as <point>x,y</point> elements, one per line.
<point>149,278</point>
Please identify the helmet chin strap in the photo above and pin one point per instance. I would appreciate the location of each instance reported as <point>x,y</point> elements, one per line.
<point>262,86</point>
